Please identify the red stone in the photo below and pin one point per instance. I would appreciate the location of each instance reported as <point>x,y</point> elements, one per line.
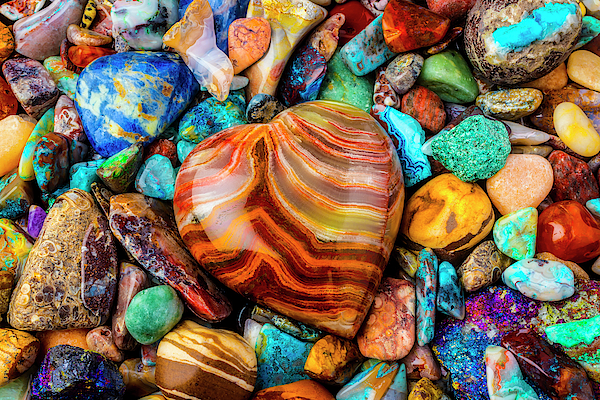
<point>357,19</point>
<point>84,55</point>
<point>426,107</point>
<point>407,26</point>
<point>8,101</point>
<point>569,231</point>
<point>573,179</point>
<point>453,9</point>
<point>163,147</point>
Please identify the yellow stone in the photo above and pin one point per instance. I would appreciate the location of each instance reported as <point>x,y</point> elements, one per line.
<point>17,353</point>
<point>575,129</point>
<point>448,214</point>
<point>583,67</point>
<point>425,390</point>
<point>524,181</point>
<point>14,132</point>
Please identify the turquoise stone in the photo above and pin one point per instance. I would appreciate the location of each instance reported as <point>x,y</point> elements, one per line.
<point>281,358</point>
<point>515,233</point>
<point>574,333</point>
<point>426,288</point>
<point>594,206</point>
<point>156,178</point>
<point>590,28</point>
<point>152,313</point>
<point>371,383</point>
<point>540,279</point>
<point>146,92</point>
<point>82,175</point>
<point>341,84</point>
<point>476,148</point>
<point>399,387</point>
<point>183,149</point>
<point>51,162</point>
<point>408,136</point>
<point>367,50</point>
<point>450,298</point>
<point>209,117</point>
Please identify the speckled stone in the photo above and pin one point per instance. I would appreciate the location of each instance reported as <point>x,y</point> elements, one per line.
<point>573,179</point>
<point>426,280</point>
<point>82,175</point>
<point>483,266</point>
<point>425,390</point>
<point>101,340</point>
<point>515,233</point>
<point>403,71</point>
<point>263,108</point>
<point>333,360</point>
<point>16,195</point>
<point>450,298</point>
<point>510,104</point>
<point>209,117</point>
<point>132,279</point>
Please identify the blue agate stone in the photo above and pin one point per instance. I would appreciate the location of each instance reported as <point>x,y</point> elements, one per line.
<point>132,97</point>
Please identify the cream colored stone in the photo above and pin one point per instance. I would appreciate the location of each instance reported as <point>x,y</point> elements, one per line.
<point>583,67</point>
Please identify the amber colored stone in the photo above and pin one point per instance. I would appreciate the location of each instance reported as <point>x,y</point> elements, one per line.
<point>407,26</point>
<point>553,80</point>
<point>84,55</point>
<point>301,390</point>
<point>249,39</point>
<point>569,231</point>
<point>73,337</point>
<point>84,37</point>
<point>17,353</point>
<point>7,42</point>
<point>139,379</point>
<point>333,360</point>
<point>14,132</point>
<point>426,107</point>
<point>548,367</point>
<point>451,36</point>
<point>357,19</point>
<point>578,272</point>
<point>8,101</point>
<point>573,179</point>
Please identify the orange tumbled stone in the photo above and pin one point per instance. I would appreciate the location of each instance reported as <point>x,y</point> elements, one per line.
<point>301,390</point>
<point>81,56</point>
<point>14,132</point>
<point>8,101</point>
<point>249,40</point>
<point>7,42</point>
<point>407,26</point>
<point>524,181</point>
<point>49,339</point>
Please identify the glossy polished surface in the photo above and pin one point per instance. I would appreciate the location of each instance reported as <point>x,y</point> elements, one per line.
<point>299,214</point>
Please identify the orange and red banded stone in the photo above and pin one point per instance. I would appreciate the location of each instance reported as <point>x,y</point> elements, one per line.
<point>299,214</point>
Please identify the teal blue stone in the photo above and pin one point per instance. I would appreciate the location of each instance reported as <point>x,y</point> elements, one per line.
<point>515,233</point>
<point>450,298</point>
<point>183,149</point>
<point>366,384</point>
<point>132,97</point>
<point>367,50</point>
<point>542,23</point>
<point>82,175</point>
<point>594,207</point>
<point>408,137</point>
<point>399,388</point>
<point>281,358</point>
<point>426,290</point>
<point>590,28</point>
<point>209,117</point>
<point>156,178</point>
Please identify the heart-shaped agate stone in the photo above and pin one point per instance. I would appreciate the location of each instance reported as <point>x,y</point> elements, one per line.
<point>299,214</point>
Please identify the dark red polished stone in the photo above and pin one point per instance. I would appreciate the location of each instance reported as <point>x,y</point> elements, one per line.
<point>569,231</point>
<point>357,19</point>
<point>573,179</point>
<point>426,107</point>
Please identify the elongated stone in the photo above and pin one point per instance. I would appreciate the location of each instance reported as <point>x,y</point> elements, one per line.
<point>44,126</point>
<point>426,289</point>
<point>14,133</point>
<point>515,233</point>
<point>301,389</point>
<point>510,104</point>
<point>398,390</point>
<point>288,325</point>
<point>145,227</point>
<point>132,280</point>
<point>51,162</point>
<point>540,279</point>
<point>371,383</point>
<point>504,377</point>
<point>450,299</point>
<point>576,130</point>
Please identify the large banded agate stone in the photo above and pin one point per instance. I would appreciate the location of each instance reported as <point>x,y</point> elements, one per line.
<point>299,214</point>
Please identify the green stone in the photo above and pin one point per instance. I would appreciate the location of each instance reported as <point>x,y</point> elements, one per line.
<point>515,233</point>
<point>118,171</point>
<point>448,75</point>
<point>570,334</point>
<point>17,388</point>
<point>476,148</point>
<point>340,84</point>
<point>152,313</point>
<point>82,175</point>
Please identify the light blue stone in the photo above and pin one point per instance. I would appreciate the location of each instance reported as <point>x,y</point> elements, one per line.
<point>515,233</point>
<point>83,174</point>
<point>399,388</point>
<point>594,207</point>
<point>540,279</point>
<point>156,178</point>
<point>408,137</point>
<point>132,97</point>
<point>281,358</point>
<point>366,384</point>
<point>367,50</point>
<point>426,288</point>
<point>542,23</point>
<point>450,298</point>
<point>184,148</point>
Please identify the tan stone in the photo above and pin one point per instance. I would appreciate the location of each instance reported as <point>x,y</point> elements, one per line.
<point>583,67</point>
<point>554,80</point>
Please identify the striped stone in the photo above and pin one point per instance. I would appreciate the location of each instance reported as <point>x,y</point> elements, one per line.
<point>198,363</point>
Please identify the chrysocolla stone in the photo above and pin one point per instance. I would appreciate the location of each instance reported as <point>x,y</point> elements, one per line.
<point>209,117</point>
<point>183,149</point>
<point>147,92</point>
<point>540,279</point>
<point>515,233</point>
<point>82,175</point>
<point>156,178</point>
<point>408,137</point>
<point>152,313</point>
<point>475,149</point>
<point>450,298</point>
<point>44,126</point>
<point>371,383</point>
<point>119,171</point>
<point>426,287</point>
<point>593,206</point>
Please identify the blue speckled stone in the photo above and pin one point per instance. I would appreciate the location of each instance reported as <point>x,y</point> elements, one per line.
<point>426,288</point>
<point>303,76</point>
<point>184,148</point>
<point>408,137</point>
<point>224,12</point>
<point>281,358</point>
<point>367,50</point>
<point>156,178</point>
<point>132,97</point>
<point>83,174</point>
<point>209,117</point>
<point>69,372</point>
<point>450,298</point>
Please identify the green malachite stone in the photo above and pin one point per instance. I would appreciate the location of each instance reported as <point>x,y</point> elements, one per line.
<point>152,313</point>
<point>515,233</point>
<point>570,334</point>
<point>118,171</point>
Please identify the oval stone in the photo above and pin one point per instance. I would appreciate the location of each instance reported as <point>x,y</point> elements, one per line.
<point>510,104</point>
<point>540,279</point>
<point>576,130</point>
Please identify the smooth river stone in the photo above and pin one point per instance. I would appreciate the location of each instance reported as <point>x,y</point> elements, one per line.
<point>221,360</point>
<point>49,294</point>
<point>295,236</point>
<point>515,232</point>
<point>524,181</point>
<point>389,330</point>
<point>540,279</point>
<point>576,130</point>
<point>504,377</point>
<point>582,67</point>
<point>14,132</point>
<point>147,92</point>
<point>146,229</point>
<point>132,279</point>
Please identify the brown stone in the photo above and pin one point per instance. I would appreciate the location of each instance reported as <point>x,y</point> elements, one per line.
<point>132,280</point>
<point>333,360</point>
<point>301,390</point>
<point>553,80</point>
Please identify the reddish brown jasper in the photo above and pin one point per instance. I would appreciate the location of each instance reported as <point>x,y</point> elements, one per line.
<point>163,147</point>
<point>426,107</point>
<point>573,179</point>
<point>452,9</point>
<point>8,101</point>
